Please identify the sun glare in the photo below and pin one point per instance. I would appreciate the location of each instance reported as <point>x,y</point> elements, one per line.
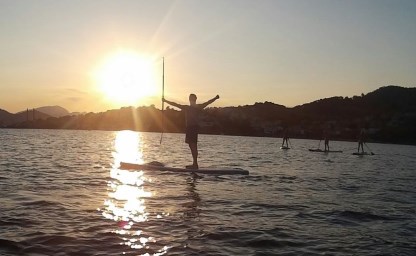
<point>126,77</point>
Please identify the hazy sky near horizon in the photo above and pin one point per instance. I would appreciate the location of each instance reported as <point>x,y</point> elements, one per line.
<point>288,52</point>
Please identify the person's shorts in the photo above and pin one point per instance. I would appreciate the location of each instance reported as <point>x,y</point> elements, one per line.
<point>191,134</point>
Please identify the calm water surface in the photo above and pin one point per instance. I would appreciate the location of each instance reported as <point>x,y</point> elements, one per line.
<point>63,194</point>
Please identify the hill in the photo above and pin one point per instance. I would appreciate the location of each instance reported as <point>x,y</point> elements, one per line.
<point>54,111</point>
<point>388,113</point>
<point>28,115</point>
<point>5,117</point>
<point>381,101</point>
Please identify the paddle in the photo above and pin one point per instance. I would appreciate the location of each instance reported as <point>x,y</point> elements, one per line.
<point>290,143</point>
<point>163,97</point>
<point>371,152</point>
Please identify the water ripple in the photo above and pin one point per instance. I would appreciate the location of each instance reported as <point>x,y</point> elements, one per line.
<point>62,194</point>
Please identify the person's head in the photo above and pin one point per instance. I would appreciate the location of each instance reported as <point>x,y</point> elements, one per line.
<point>192,99</point>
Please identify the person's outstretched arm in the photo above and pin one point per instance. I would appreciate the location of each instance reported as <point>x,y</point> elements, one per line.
<point>173,103</point>
<point>203,105</point>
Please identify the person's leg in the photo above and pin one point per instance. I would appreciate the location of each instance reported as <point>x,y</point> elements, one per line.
<point>194,150</point>
<point>192,140</point>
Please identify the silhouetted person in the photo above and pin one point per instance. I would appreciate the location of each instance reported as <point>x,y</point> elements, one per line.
<point>285,138</point>
<point>192,124</point>
<point>361,140</point>
<point>326,139</point>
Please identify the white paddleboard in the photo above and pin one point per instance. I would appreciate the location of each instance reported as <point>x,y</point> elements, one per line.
<point>154,167</point>
<point>325,151</point>
<point>363,153</point>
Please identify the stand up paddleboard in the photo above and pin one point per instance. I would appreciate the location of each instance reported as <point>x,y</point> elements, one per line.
<point>363,153</point>
<point>160,167</point>
<point>325,151</point>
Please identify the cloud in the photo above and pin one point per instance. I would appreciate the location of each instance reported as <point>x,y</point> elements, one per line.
<point>74,99</point>
<point>77,91</point>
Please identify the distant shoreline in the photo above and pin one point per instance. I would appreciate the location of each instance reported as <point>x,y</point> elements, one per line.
<point>231,135</point>
<point>388,115</point>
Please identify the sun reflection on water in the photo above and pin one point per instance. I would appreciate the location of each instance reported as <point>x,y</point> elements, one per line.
<point>126,202</point>
<point>128,147</point>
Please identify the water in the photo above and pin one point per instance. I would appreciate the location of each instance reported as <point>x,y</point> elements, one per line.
<point>62,194</point>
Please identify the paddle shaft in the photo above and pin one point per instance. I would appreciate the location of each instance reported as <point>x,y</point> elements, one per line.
<point>368,148</point>
<point>163,96</point>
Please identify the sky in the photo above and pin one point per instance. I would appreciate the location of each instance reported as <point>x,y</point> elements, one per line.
<point>289,52</point>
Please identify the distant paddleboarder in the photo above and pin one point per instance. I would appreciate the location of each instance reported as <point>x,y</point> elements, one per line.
<point>192,113</point>
<point>361,140</point>
<point>326,139</point>
<point>285,144</point>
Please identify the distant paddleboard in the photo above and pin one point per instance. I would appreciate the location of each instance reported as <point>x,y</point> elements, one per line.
<point>325,151</point>
<point>363,153</point>
<point>284,148</point>
<point>160,167</point>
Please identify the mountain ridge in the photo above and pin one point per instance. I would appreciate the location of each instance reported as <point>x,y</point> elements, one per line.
<point>389,114</point>
<point>7,118</point>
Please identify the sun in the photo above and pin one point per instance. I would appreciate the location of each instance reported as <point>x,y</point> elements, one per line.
<point>126,77</point>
